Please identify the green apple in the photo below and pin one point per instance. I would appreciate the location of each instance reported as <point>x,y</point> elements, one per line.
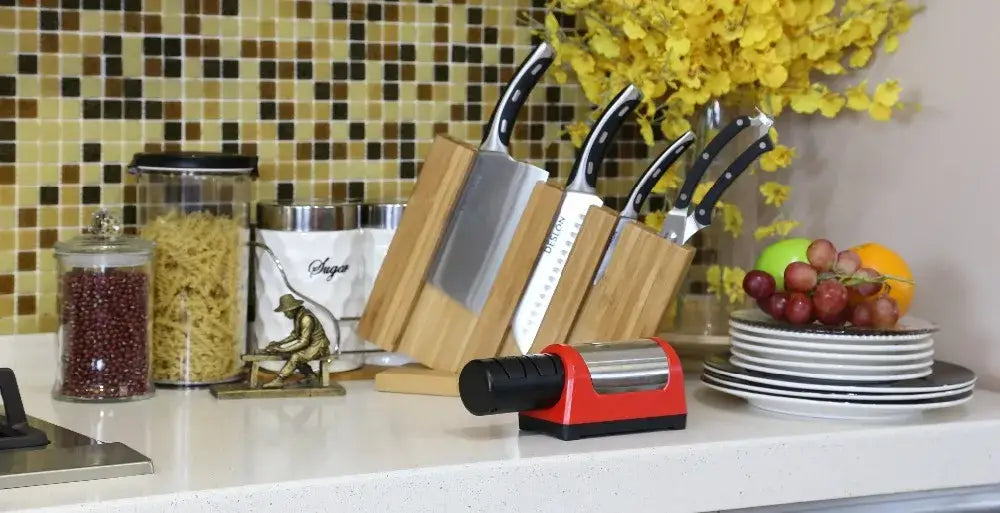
<point>777,256</point>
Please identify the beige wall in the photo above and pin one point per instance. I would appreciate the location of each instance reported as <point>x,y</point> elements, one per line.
<point>928,183</point>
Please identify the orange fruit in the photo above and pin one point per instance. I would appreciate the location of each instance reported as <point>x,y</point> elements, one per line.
<point>887,261</point>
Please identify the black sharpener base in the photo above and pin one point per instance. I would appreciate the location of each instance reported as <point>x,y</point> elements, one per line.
<point>614,427</point>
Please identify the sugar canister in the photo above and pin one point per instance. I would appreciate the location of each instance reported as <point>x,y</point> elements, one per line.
<point>105,298</point>
<point>196,207</point>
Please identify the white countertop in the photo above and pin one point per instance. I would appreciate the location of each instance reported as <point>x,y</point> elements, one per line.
<point>371,451</point>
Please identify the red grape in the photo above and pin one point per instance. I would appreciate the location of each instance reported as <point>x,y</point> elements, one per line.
<point>848,262</point>
<point>829,299</point>
<point>868,287</point>
<point>861,315</point>
<point>774,305</point>
<point>821,254</point>
<point>758,284</point>
<point>885,312</point>
<point>800,277</point>
<point>837,319</point>
<point>799,308</point>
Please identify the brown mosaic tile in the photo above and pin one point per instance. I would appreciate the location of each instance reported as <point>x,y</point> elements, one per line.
<point>25,305</point>
<point>6,283</point>
<point>7,175</point>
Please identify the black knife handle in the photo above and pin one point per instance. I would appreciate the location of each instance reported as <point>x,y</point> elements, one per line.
<point>703,160</point>
<point>642,188</point>
<point>501,123</point>
<point>583,176</point>
<point>703,212</point>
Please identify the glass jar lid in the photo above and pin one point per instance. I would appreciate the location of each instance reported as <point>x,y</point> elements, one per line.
<point>105,244</point>
<point>193,162</point>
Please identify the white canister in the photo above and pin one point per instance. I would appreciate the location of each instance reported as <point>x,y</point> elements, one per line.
<point>331,254</point>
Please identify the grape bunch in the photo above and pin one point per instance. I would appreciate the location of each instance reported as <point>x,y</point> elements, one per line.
<point>831,288</point>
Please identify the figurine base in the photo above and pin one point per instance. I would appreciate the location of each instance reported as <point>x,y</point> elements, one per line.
<point>245,391</point>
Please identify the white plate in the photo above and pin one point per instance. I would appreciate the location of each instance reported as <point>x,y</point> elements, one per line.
<point>825,337</point>
<point>945,376</point>
<point>907,328</point>
<point>855,368</point>
<point>900,347</point>
<point>830,395</point>
<point>833,410</point>
<point>832,357</point>
<point>868,378</point>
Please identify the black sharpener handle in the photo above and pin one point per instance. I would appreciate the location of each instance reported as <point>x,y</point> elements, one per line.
<point>510,384</point>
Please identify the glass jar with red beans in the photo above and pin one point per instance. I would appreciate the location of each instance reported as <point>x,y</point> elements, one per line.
<point>105,295</point>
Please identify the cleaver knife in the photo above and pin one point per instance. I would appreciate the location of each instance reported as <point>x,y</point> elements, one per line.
<point>580,195</point>
<point>640,191</point>
<point>492,200</point>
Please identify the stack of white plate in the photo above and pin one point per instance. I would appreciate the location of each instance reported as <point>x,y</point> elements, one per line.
<point>840,372</point>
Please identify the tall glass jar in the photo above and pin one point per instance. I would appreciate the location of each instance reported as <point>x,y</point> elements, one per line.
<point>196,207</point>
<point>104,323</point>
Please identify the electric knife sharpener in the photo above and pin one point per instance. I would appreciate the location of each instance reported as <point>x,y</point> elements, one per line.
<point>584,390</point>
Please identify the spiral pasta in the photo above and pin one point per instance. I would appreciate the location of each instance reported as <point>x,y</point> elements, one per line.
<point>199,302</point>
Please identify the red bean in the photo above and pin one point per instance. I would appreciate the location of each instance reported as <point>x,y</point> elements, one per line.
<point>105,348</point>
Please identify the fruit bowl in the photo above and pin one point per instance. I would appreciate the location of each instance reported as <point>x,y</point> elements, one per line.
<point>906,326</point>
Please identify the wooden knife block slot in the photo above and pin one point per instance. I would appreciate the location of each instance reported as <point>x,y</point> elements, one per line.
<point>644,274</point>
<point>443,335</point>
<point>401,277</point>
<point>574,283</point>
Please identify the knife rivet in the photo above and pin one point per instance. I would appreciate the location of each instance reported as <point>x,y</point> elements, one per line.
<point>729,175</point>
<point>704,156</point>
<point>536,69</point>
<point>701,211</point>
<point>684,196</point>
<point>739,122</point>
<point>763,145</point>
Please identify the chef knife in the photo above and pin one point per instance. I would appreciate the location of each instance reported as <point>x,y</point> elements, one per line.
<point>678,213</point>
<point>580,195</point>
<point>493,198</point>
<point>640,191</point>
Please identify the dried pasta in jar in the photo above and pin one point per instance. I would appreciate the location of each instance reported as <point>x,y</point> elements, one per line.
<point>195,207</point>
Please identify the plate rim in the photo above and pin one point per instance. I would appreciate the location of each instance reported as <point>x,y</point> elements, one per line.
<point>765,321</point>
<point>833,377</point>
<point>838,396</point>
<point>833,387</point>
<point>877,407</point>
<point>926,362</point>
<point>892,348</point>
<point>823,355</point>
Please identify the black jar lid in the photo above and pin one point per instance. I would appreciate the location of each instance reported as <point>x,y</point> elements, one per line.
<point>194,162</point>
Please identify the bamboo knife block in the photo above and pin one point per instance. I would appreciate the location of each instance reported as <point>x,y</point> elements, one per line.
<point>643,276</point>
<point>401,277</point>
<point>443,335</point>
<point>574,283</point>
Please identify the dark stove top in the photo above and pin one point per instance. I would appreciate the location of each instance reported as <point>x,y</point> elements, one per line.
<point>35,452</point>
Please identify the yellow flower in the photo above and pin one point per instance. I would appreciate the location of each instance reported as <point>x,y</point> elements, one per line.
<point>879,112</point>
<point>775,193</point>
<point>831,103</point>
<point>891,44</point>
<point>806,102</point>
<point>779,228</point>
<point>860,57</point>
<point>632,29</point>
<point>700,191</point>
<point>857,97</point>
<point>646,130</point>
<point>577,132</point>
<point>781,156</point>
<point>672,127</point>
<point>670,180</point>
<point>606,45</point>
<point>713,278</point>
<point>732,284</point>
<point>655,219</point>
<point>773,75</point>
<point>732,218</point>
<point>887,93</point>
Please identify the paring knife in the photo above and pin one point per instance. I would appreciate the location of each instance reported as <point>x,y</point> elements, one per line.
<point>680,224</point>
<point>493,198</point>
<point>580,195</point>
<point>641,190</point>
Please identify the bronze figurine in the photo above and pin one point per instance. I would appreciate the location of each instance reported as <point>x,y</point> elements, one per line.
<point>306,342</point>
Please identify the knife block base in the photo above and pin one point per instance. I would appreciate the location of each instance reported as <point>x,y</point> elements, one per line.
<point>417,379</point>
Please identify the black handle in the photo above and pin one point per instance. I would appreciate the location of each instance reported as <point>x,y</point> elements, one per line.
<point>511,384</point>
<point>17,420</point>
<point>706,157</point>
<point>583,175</point>
<point>652,175</point>
<point>703,213</point>
<point>501,124</point>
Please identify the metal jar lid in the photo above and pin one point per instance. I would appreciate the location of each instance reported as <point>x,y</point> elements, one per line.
<point>382,215</point>
<point>308,216</point>
<point>193,162</point>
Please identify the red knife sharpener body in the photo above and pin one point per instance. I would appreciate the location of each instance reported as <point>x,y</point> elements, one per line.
<point>582,411</point>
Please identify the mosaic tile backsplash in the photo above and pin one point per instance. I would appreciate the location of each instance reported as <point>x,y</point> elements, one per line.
<point>339,99</point>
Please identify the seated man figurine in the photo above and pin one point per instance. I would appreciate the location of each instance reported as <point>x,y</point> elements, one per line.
<point>306,342</point>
